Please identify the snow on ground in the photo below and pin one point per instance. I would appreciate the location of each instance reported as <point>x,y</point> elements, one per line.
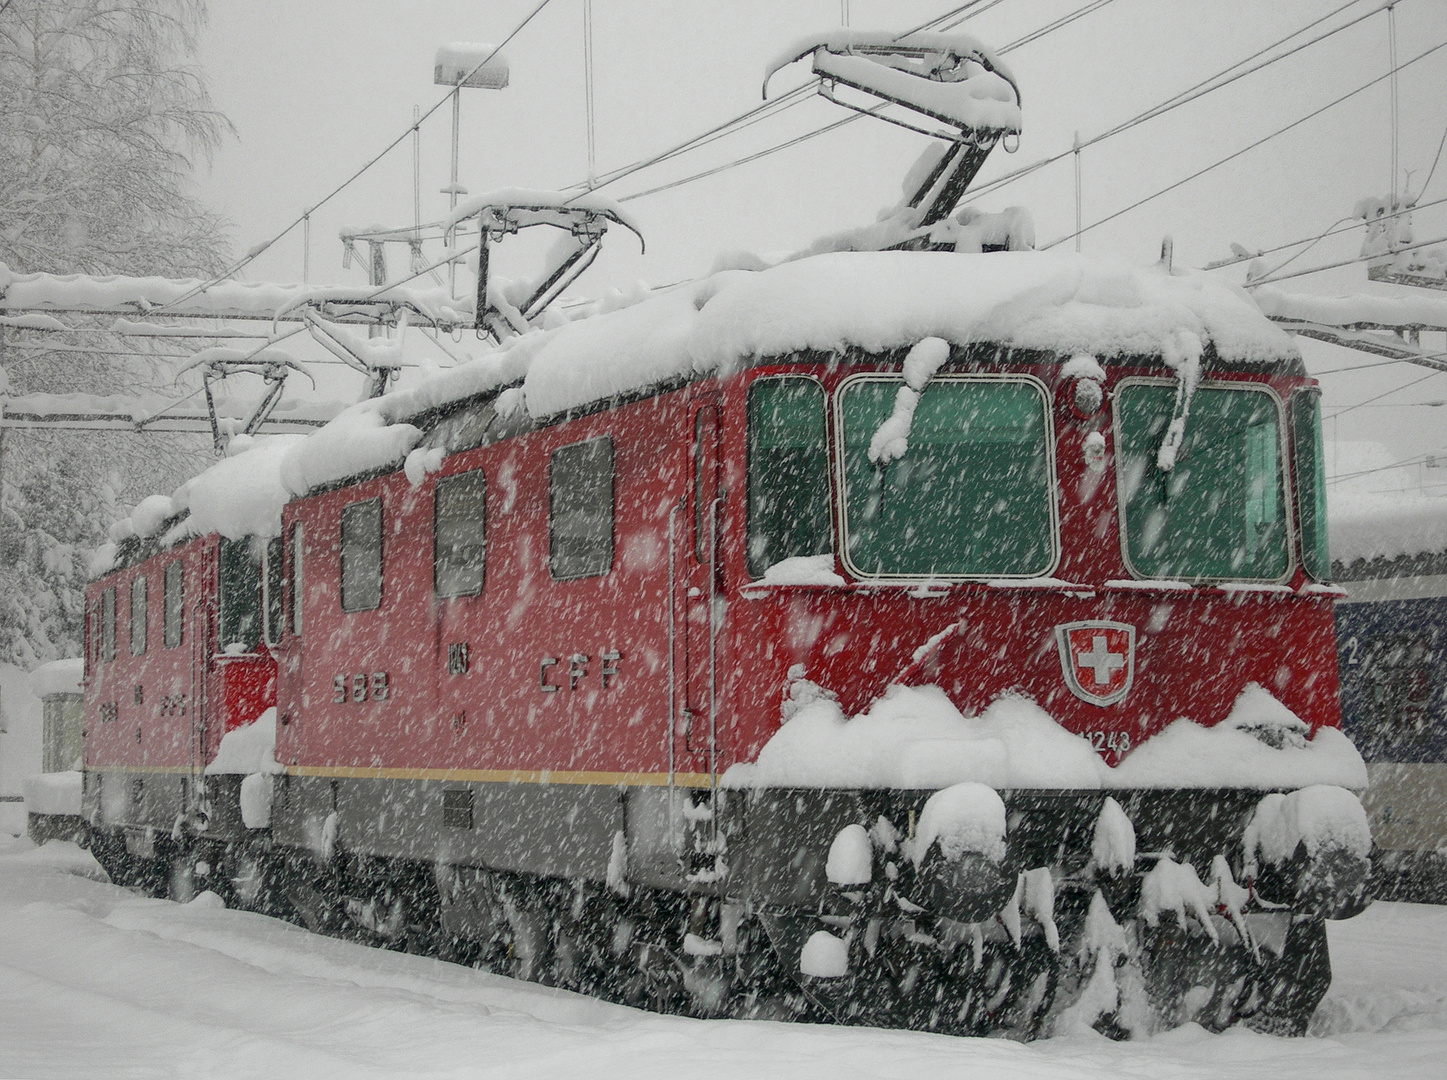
<point>95,981</point>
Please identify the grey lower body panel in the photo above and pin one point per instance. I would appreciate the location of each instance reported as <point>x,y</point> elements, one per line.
<point>768,846</point>
<point>206,806</point>
<point>564,830</point>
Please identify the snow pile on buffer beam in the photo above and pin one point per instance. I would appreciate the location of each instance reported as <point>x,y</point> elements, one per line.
<point>914,737</point>
<point>875,301</point>
<point>247,749</point>
<point>1366,525</point>
<point>962,818</point>
<point>1320,817</point>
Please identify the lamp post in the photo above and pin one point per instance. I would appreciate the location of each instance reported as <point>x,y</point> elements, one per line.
<point>475,65</point>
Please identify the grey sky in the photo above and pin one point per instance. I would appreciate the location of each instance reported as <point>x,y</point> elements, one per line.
<point>315,87</point>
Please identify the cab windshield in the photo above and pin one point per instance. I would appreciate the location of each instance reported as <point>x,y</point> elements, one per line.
<point>1221,511</point>
<point>970,497</point>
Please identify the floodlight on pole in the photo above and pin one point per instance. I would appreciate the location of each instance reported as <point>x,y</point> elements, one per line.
<point>478,66</point>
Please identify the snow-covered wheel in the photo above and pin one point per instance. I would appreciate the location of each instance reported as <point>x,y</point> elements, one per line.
<point>129,871</point>
<point>246,875</point>
<point>532,946</point>
<point>1291,986</point>
<point>181,878</point>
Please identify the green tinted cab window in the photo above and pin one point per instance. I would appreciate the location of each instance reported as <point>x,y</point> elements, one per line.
<point>972,495</point>
<point>788,472</point>
<point>240,594</point>
<point>1309,473</point>
<point>1220,512</point>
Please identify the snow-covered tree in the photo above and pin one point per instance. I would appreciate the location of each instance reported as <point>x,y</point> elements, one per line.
<point>102,122</point>
<point>103,117</point>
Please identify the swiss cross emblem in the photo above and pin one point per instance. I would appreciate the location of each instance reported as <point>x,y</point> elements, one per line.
<point>1098,659</point>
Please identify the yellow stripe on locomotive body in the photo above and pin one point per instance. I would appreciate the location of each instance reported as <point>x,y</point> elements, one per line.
<point>506,776</point>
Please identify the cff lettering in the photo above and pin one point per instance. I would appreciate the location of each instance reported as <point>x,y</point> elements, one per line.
<point>579,669</point>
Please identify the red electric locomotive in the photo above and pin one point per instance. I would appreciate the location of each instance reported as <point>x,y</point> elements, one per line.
<point>174,660</point>
<point>906,637</point>
<point>567,695</point>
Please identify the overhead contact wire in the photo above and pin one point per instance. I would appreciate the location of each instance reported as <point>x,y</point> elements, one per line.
<point>1249,147</point>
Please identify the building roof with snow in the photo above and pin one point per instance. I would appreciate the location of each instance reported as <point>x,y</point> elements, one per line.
<point>1376,535</point>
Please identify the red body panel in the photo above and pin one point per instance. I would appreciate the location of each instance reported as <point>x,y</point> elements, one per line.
<point>166,709</point>
<point>1196,648</point>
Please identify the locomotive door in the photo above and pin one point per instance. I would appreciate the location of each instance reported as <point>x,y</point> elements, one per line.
<point>700,579</point>
<point>203,632</point>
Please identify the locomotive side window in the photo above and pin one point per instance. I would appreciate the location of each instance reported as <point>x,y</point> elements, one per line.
<point>1309,473</point>
<point>361,584</point>
<point>138,616</point>
<point>271,590</point>
<point>1221,511</point>
<point>971,497</point>
<point>171,594</point>
<point>459,539</point>
<point>297,544</point>
<point>788,472</point>
<point>240,595</point>
<point>108,624</point>
<point>580,509</point>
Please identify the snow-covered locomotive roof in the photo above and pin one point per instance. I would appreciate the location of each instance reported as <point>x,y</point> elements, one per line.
<point>1059,304</point>
<point>874,301</point>
<point>1385,529</point>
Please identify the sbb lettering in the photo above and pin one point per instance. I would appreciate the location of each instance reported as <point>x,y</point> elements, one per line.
<point>361,686</point>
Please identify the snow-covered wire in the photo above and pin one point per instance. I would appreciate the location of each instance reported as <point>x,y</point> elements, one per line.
<point>259,249</point>
<point>1249,147</point>
<point>771,108</point>
<point>450,257</point>
<point>1418,460</point>
<point>1388,393</point>
<point>1345,262</point>
<point>1377,364</point>
<point>1064,20</point>
<point>1356,223</point>
<point>1327,232</point>
<point>803,92</point>
<point>953,19</point>
<point>766,152</point>
<point>1440,143</point>
<point>1226,77</point>
<point>728,127</point>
